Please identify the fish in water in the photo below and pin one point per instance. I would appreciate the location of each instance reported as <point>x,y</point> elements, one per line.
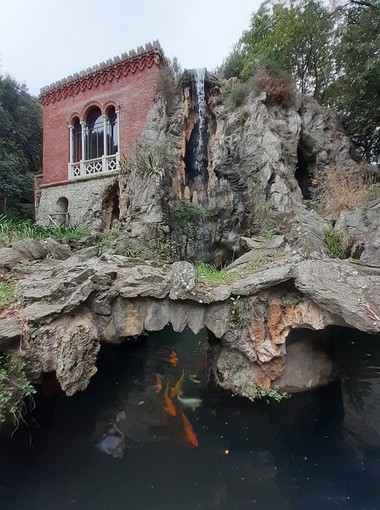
<point>112,442</point>
<point>158,385</point>
<point>169,406</point>
<point>189,432</point>
<point>191,403</point>
<point>173,360</point>
<point>178,386</point>
<point>193,378</point>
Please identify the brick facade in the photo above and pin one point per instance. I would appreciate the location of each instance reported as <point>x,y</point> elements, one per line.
<point>129,83</point>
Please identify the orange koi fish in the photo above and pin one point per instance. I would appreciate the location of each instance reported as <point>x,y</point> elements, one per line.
<point>173,360</point>
<point>189,432</point>
<point>158,385</point>
<point>174,392</point>
<point>169,406</point>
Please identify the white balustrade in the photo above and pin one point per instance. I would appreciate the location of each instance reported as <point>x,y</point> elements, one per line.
<point>91,167</point>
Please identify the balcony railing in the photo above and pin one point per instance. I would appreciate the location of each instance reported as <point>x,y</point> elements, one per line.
<point>91,167</point>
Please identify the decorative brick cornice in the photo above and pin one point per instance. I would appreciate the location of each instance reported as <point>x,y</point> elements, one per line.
<point>113,69</point>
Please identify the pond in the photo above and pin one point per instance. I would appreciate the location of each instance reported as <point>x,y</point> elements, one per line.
<point>118,445</point>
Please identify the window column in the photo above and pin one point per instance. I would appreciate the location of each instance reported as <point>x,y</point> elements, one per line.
<point>71,142</point>
<point>71,151</point>
<point>82,171</point>
<point>104,159</point>
<point>117,111</point>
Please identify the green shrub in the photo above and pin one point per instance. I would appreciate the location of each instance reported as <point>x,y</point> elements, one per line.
<point>374,193</point>
<point>238,94</point>
<point>186,213</point>
<point>14,388</point>
<point>333,243</point>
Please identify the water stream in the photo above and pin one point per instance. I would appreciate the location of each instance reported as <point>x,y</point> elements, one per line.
<point>115,446</point>
<point>199,153</point>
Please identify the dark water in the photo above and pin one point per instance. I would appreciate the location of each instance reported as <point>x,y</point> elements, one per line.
<point>293,455</point>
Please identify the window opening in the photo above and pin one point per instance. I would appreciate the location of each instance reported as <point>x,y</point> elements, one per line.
<point>77,141</point>
<point>94,135</point>
<point>112,132</point>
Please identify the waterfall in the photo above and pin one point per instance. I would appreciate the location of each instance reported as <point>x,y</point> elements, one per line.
<point>199,152</point>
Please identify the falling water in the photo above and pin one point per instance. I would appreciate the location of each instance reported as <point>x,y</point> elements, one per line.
<point>199,152</point>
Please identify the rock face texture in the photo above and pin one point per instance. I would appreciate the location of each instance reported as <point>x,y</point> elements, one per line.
<point>257,168</point>
<point>67,309</point>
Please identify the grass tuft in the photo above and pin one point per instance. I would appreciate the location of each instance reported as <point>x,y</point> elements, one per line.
<point>210,274</point>
<point>334,243</point>
<point>6,293</point>
<point>14,230</point>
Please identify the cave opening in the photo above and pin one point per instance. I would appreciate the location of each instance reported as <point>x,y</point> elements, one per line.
<point>111,206</point>
<point>304,173</point>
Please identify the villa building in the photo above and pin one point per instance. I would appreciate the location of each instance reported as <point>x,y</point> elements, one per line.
<point>90,121</point>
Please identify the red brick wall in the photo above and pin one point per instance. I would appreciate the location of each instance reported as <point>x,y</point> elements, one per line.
<point>133,93</point>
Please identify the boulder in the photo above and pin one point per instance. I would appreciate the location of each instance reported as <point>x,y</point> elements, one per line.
<point>10,331</point>
<point>30,249</point>
<point>57,250</point>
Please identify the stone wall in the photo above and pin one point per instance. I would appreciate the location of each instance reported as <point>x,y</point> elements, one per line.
<point>84,196</point>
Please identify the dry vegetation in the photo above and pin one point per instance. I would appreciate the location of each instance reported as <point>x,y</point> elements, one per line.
<point>341,190</point>
<point>278,86</point>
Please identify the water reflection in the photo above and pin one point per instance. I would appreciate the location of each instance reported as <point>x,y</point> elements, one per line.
<point>116,446</point>
<point>359,359</point>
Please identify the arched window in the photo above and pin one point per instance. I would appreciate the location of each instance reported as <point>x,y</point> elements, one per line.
<point>94,134</point>
<point>77,141</point>
<point>112,131</point>
<point>94,141</point>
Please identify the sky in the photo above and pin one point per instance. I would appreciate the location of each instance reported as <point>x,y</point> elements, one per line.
<point>43,41</point>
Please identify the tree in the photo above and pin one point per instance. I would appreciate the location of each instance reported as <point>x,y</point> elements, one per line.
<point>20,145</point>
<point>298,37</point>
<point>331,53</point>
<point>356,91</point>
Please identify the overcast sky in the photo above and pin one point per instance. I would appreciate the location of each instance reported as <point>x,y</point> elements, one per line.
<point>42,41</point>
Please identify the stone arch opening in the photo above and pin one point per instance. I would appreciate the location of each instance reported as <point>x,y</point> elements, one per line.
<point>111,205</point>
<point>61,215</point>
<point>304,173</point>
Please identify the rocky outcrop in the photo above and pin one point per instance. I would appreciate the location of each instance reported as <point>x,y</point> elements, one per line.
<point>259,164</point>
<point>68,309</point>
<point>30,250</point>
<point>360,232</point>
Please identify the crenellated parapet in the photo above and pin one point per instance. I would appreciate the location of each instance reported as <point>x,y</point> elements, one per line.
<point>112,69</point>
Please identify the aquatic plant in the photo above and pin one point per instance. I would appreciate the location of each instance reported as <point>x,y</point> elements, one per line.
<point>270,393</point>
<point>15,387</point>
